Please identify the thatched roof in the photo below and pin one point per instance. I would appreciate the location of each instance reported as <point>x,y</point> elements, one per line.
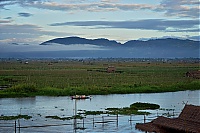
<point>187,122</point>
<point>111,69</point>
<point>194,74</point>
<point>191,113</point>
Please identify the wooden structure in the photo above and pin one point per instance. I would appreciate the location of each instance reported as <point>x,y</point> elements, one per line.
<point>187,122</point>
<point>111,69</point>
<point>193,74</point>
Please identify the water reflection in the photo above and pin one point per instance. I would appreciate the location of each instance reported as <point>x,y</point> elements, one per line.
<point>41,106</point>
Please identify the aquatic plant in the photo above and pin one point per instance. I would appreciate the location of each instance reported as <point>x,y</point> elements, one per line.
<point>15,117</point>
<point>65,118</point>
<point>144,106</point>
<point>133,109</point>
<point>59,118</point>
<point>94,112</point>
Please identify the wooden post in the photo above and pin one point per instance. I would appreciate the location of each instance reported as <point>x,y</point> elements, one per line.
<point>103,120</point>
<point>144,118</point>
<point>75,111</point>
<point>83,122</point>
<point>75,107</point>
<point>15,126</point>
<point>117,119</point>
<point>75,123</point>
<point>130,121</point>
<point>93,120</point>
<point>19,120</point>
<point>19,125</point>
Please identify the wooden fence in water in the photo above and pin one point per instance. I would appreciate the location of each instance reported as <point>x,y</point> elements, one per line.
<point>79,124</point>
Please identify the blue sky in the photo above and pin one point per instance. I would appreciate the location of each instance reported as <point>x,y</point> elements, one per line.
<point>35,21</point>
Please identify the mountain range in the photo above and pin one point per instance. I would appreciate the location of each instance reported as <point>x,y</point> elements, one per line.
<point>166,43</point>
<point>78,40</point>
<point>76,47</point>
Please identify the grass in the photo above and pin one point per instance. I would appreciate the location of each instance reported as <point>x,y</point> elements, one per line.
<point>64,78</point>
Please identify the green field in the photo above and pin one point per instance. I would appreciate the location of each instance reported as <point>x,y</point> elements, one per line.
<point>64,78</point>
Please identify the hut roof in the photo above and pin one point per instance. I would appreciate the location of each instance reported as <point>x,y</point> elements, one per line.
<point>194,74</point>
<point>190,113</point>
<point>188,121</point>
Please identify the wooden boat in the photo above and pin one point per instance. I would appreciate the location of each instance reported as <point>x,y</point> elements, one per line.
<point>80,97</point>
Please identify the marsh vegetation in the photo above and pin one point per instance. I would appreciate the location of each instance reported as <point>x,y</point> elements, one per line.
<point>132,109</point>
<point>64,78</point>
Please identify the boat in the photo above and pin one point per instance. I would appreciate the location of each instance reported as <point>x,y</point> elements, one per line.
<point>80,97</point>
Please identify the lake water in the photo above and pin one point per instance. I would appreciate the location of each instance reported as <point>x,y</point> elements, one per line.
<point>41,106</point>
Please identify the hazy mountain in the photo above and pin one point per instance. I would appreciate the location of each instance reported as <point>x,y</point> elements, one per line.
<point>164,43</point>
<point>76,47</point>
<point>167,42</point>
<point>78,40</point>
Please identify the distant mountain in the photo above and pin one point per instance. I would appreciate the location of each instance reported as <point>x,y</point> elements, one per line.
<point>78,40</point>
<point>154,43</point>
<point>163,43</point>
<point>154,48</point>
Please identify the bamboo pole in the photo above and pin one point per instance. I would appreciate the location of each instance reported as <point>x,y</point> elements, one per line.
<point>93,120</point>
<point>117,119</point>
<point>102,121</point>
<point>15,126</point>
<point>83,122</point>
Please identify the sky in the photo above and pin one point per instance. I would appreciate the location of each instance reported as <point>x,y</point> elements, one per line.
<point>31,22</point>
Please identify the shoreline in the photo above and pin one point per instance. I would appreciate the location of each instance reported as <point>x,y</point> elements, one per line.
<point>12,93</point>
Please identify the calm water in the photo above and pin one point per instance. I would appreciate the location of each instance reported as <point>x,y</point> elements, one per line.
<point>41,106</point>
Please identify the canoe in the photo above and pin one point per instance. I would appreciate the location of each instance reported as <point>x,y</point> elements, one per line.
<point>80,97</point>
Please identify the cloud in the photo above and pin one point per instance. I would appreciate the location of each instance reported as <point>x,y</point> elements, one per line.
<point>196,38</point>
<point>13,47</point>
<point>171,8</point>
<point>5,21</point>
<point>24,33</point>
<point>19,31</point>
<point>8,18</point>
<point>182,8</point>
<point>147,24</point>
<point>23,14</point>
<point>4,3</point>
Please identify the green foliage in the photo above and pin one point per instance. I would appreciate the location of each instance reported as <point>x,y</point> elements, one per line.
<point>144,106</point>
<point>128,111</point>
<point>15,117</point>
<point>65,118</point>
<point>72,77</point>
<point>58,118</point>
<point>94,112</point>
<point>51,91</point>
<point>23,88</point>
<point>133,109</point>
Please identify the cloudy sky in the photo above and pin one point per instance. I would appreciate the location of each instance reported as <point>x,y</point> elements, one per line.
<point>35,21</point>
